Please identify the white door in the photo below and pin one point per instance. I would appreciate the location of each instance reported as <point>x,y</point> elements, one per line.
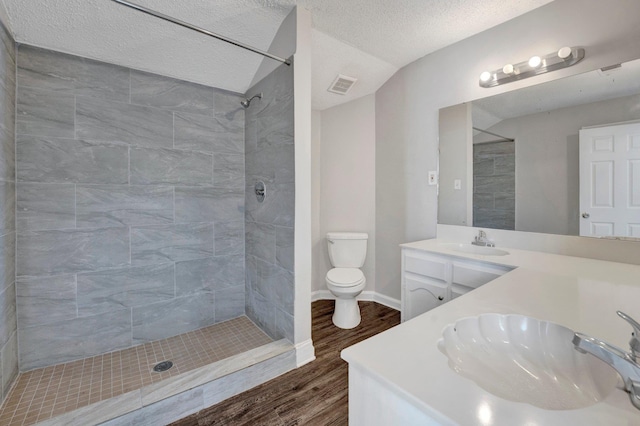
<point>610,181</point>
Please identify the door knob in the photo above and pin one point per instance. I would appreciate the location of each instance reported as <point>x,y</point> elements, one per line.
<point>586,215</point>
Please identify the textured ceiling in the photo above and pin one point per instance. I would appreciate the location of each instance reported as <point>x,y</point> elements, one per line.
<point>368,39</point>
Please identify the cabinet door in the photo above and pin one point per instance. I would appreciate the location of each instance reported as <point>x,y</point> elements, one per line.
<point>421,295</point>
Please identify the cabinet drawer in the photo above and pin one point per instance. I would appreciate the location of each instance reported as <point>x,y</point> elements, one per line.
<point>473,276</point>
<point>426,265</point>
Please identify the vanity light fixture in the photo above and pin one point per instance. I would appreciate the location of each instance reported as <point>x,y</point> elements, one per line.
<point>563,58</point>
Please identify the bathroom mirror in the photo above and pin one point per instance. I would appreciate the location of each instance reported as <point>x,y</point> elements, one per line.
<point>512,161</point>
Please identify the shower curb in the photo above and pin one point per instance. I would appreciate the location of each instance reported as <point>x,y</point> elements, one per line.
<point>187,393</point>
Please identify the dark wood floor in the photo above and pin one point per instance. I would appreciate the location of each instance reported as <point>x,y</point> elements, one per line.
<point>314,394</point>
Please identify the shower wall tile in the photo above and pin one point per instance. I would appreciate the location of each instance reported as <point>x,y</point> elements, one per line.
<point>505,201</point>
<point>46,299</point>
<point>218,134</point>
<point>505,164</point>
<point>9,357</point>
<point>45,113</point>
<point>208,204</point>
<point>228,171</point>
<point>8,110</point>
<point>98,119</point>
<point>207,275</point>
<point>8,256</point>
<point>277,285</point>
<point>275,130</point>
<point>263,313</point>
<point>269,156</point>
<point>483,167</point>
<point>68,74</point>
<point>63,341</point>
<point>7,207</point>
<point>53,160</point>
<point>45,206</point>
<point>229,303</point>
<point>116,221</point>
<point>483,201</point>
<point>170,167</point>
<point>229,237</point>
<point>227,103</point>
<point>113,290</point>
<point>7,154</point>
<point>171,243</point>
<point>70,251</point>
<point>285,324</point>
<point>169,93</point>
<point>111,205</point>
<point>8,308</point>
<point>173,317</point>
<point>285,247</point>
<point>277,207</point>
<point>490,184</point>
<point>260,241</point>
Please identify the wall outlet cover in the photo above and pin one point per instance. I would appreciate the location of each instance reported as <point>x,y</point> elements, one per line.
<point>433,178</point>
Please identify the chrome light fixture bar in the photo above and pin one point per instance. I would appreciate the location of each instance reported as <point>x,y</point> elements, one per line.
<point>563,58</point>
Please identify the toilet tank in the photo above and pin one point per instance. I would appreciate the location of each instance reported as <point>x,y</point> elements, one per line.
<point>347,249</point>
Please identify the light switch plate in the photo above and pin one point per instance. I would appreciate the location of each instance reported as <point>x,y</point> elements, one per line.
<point>457,184</point>
<point>433,178</point>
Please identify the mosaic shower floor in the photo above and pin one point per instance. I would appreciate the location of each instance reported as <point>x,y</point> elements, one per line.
<point>44,393</point>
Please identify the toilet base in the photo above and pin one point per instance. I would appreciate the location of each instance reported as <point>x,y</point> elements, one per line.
<point>346,314</point>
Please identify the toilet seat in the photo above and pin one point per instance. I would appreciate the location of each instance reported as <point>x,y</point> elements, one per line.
<point>345,277</point>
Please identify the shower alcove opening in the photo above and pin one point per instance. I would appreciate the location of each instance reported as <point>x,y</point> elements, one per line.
<point>140,239</point>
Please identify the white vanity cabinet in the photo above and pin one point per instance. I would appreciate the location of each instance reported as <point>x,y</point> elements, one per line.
<point>429,280</point>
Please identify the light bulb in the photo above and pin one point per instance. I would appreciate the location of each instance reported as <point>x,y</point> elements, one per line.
<point>564,53</point>
<point>535,61</point>
<point>507,69</point>
<point>485,76</point>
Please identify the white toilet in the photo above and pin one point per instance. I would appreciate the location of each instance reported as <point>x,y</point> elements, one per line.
<point>347,252</point>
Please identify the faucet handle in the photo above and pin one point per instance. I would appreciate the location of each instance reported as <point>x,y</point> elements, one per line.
<point>635,340</point>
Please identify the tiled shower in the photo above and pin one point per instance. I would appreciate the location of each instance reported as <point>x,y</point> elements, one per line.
<point>135,218</point>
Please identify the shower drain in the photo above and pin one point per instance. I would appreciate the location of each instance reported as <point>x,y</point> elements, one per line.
<point>163,366</point>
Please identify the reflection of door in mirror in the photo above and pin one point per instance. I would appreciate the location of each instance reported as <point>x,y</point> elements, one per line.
<point>610,180</point>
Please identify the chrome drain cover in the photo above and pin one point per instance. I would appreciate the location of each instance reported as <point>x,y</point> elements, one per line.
<point>163,366</point>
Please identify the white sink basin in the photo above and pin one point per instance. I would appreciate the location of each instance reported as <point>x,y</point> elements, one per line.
<point>526,360</point>
<point>472,249</point>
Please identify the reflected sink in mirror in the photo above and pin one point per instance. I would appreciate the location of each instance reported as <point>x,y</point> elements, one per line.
<point>481,250</point>
<point>523,359</point>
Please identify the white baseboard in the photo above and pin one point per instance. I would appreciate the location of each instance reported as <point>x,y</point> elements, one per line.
<point>305,353</point>
<point>367,296</point>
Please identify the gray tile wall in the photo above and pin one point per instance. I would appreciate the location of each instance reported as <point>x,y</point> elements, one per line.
<point>269,157</point>
<point>494,185</point>
<point>8,317</point>
<point>130,207</point>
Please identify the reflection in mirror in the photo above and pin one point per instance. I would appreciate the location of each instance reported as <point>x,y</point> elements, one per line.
<point>561,157</point>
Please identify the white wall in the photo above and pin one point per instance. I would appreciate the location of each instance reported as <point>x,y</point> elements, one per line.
<point>346,181</point>
<point>407,105</point>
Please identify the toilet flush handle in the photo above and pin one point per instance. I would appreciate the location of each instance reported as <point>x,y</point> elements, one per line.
<point>331,241</point>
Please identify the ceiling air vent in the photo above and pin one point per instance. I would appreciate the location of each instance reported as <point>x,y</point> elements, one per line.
<point>342,84</point>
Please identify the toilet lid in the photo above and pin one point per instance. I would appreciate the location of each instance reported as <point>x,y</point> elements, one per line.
<point>346,277</point>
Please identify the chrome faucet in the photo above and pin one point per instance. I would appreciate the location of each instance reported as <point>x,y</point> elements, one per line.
<point>482,240</point>
<point>626,364</point>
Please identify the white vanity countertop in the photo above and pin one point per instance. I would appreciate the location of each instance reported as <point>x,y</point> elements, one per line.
<point>582,294</point>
